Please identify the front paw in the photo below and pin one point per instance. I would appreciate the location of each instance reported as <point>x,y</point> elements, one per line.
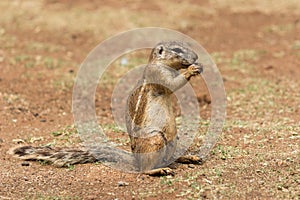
<point>196,68</point>
<point>193,70</point>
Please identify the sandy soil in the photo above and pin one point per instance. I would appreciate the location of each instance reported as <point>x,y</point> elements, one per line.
<point>256,45</point>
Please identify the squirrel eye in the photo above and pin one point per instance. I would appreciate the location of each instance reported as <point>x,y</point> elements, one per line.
<point>160,50</point>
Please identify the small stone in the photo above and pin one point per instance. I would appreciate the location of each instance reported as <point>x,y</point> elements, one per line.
<point>191,166</point>
<point>122,183</point>
<point>37,29</point>
<point>43,120</point>
<point>269,67</point>
<point>1,140</point>
<point>69,54</point>
<point>124,61</point>
<point>25,164</point>
<point>2,31</point>
<point>18,141</point>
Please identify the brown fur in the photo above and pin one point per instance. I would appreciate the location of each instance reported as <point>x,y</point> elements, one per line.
<point>150,117</point>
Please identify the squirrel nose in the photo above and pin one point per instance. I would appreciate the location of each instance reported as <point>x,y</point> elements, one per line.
<point>199,66</point>
<point>192,56</point>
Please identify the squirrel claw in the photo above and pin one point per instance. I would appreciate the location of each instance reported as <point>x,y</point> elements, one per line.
<point>197,67</point>
<point>193,70</point>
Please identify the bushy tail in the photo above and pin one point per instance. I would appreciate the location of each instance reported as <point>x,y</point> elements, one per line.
<point>58,157</point>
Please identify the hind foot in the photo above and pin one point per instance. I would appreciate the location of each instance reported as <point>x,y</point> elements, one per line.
<point>160,172</point>
<point>189,159</point>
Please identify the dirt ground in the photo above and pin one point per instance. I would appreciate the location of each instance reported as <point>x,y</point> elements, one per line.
<point>256,45</point>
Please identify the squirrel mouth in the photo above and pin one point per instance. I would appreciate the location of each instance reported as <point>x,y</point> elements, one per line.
<point>186,65</point>
<point>195,65</point>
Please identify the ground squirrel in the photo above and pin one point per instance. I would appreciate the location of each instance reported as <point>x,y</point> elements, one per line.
<point>150,118</point>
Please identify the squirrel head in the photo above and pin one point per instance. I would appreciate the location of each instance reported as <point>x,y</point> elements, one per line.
<point>174,54</point>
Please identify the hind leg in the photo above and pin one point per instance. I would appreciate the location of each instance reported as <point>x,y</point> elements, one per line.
<point>149,152</point>
<point>165,160</point>
<point>153,152</point>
